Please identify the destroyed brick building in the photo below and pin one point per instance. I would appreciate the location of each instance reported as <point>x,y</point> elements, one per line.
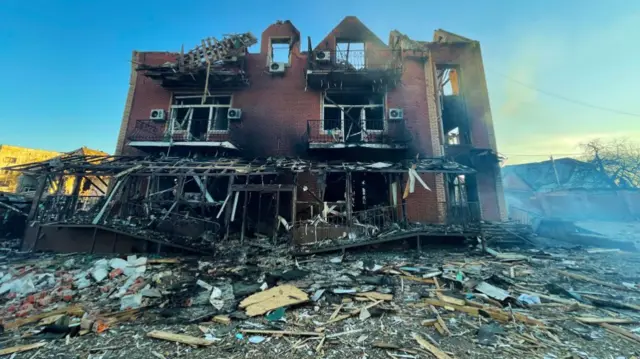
<point>324,142</point>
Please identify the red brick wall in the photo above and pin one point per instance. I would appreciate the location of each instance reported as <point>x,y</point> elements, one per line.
<point>148,94</point>
<point>422,205</point>
<point>276,108</point>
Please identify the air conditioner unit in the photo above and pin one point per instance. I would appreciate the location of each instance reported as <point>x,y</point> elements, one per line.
<point>277,67</point>
<point>396,114</point>
<point>323,56</point>
<point>234,113</point>
<point>157,114</point>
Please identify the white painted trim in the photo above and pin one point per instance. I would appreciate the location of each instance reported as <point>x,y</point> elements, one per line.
<point>224,144</point>
<point>149,144</point>
<point>353,145</point>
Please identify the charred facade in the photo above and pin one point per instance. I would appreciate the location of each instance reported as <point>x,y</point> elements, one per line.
<point>351,141</point>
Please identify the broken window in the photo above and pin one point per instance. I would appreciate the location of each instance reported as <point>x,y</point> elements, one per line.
<point>280,49</point>
<point>197,117</point>
<point>448,81</point>
<point>459,189</point>
<point>453,136</point>
<point>350,54</point>
<point>454,117</point>
<point>353,112</point>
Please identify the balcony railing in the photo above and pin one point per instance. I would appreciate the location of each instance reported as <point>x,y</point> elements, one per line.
<point>358,132</point>
<point>148,130</point>
<point>357,60</point>
<point>364,224</point>
<point>465,213</point>
<point>155,131</point>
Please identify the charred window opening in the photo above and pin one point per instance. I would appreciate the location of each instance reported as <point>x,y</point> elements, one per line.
<point>352,113</point>
<point>190,114</point>
<point>462,189</point>
<point>369,190</point>
<point>350,54</point>
<point>335,187</point>
<point>455,122</point>
<point>280,50</point>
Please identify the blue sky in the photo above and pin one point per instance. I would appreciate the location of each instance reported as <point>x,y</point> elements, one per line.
<point>66,63</point>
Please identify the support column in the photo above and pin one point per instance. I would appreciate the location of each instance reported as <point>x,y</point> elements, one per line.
<point>348,195</point>
<point>42,185</point>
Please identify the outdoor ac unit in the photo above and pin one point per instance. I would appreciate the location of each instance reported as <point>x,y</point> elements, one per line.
<point>157,114</point>
<point>234,113</point>
<point>277,67</point>
<point>323,56</point>
<point>396,114</point>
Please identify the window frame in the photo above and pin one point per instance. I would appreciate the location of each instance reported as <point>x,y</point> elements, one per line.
<point>279,40</point>
<point>363,122</point>
<point>189,117</point>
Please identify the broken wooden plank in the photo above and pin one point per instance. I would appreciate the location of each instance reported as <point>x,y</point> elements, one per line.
<point>416,279</point>
<point>596,320</point>
<point>163,261</point>
<point>21,348</point>
<point>430,347</point>
<point>376,296</point>
<point>222,319</point>
<point>281,332</point>
<point>179,338</point>
<point>75,311</point>
<point>442,326</point>
<point>274,298</point>
<point>452,300</point>
<point>584,278</point>
<point>621,331</point>
<point>611,303</point>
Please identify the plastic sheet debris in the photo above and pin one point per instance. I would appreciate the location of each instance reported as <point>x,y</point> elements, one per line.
<point>215,298</point>
<point>529,299</point>
<point>344,290</point>
<point>256,339</point>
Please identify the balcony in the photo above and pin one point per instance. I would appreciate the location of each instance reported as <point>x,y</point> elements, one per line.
<point>154,134</point>
<point>353,69</point>
<point>336,133</point>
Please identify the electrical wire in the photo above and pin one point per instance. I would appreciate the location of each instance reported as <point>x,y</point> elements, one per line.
<point>576,102</point>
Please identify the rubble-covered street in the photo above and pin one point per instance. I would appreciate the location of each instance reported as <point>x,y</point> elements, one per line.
<point>257,301</point>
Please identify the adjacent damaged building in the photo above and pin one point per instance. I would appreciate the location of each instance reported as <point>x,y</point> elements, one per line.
<point>343,141</point>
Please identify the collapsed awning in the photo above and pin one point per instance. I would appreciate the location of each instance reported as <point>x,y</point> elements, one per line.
<point>117,165</point>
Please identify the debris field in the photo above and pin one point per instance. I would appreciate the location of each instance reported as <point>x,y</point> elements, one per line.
<point>392,303</point>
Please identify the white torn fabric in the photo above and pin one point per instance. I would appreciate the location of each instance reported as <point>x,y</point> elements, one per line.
<point>413,176</point>
<point>284,222</point>
<point>412,182</point>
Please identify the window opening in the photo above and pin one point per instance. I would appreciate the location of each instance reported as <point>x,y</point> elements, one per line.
<point>353,113</point>
<point>280,50</point>
<point>190,114</point>
<point>350,55</point>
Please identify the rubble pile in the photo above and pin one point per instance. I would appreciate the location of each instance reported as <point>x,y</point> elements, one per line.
<point>255,300</point>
